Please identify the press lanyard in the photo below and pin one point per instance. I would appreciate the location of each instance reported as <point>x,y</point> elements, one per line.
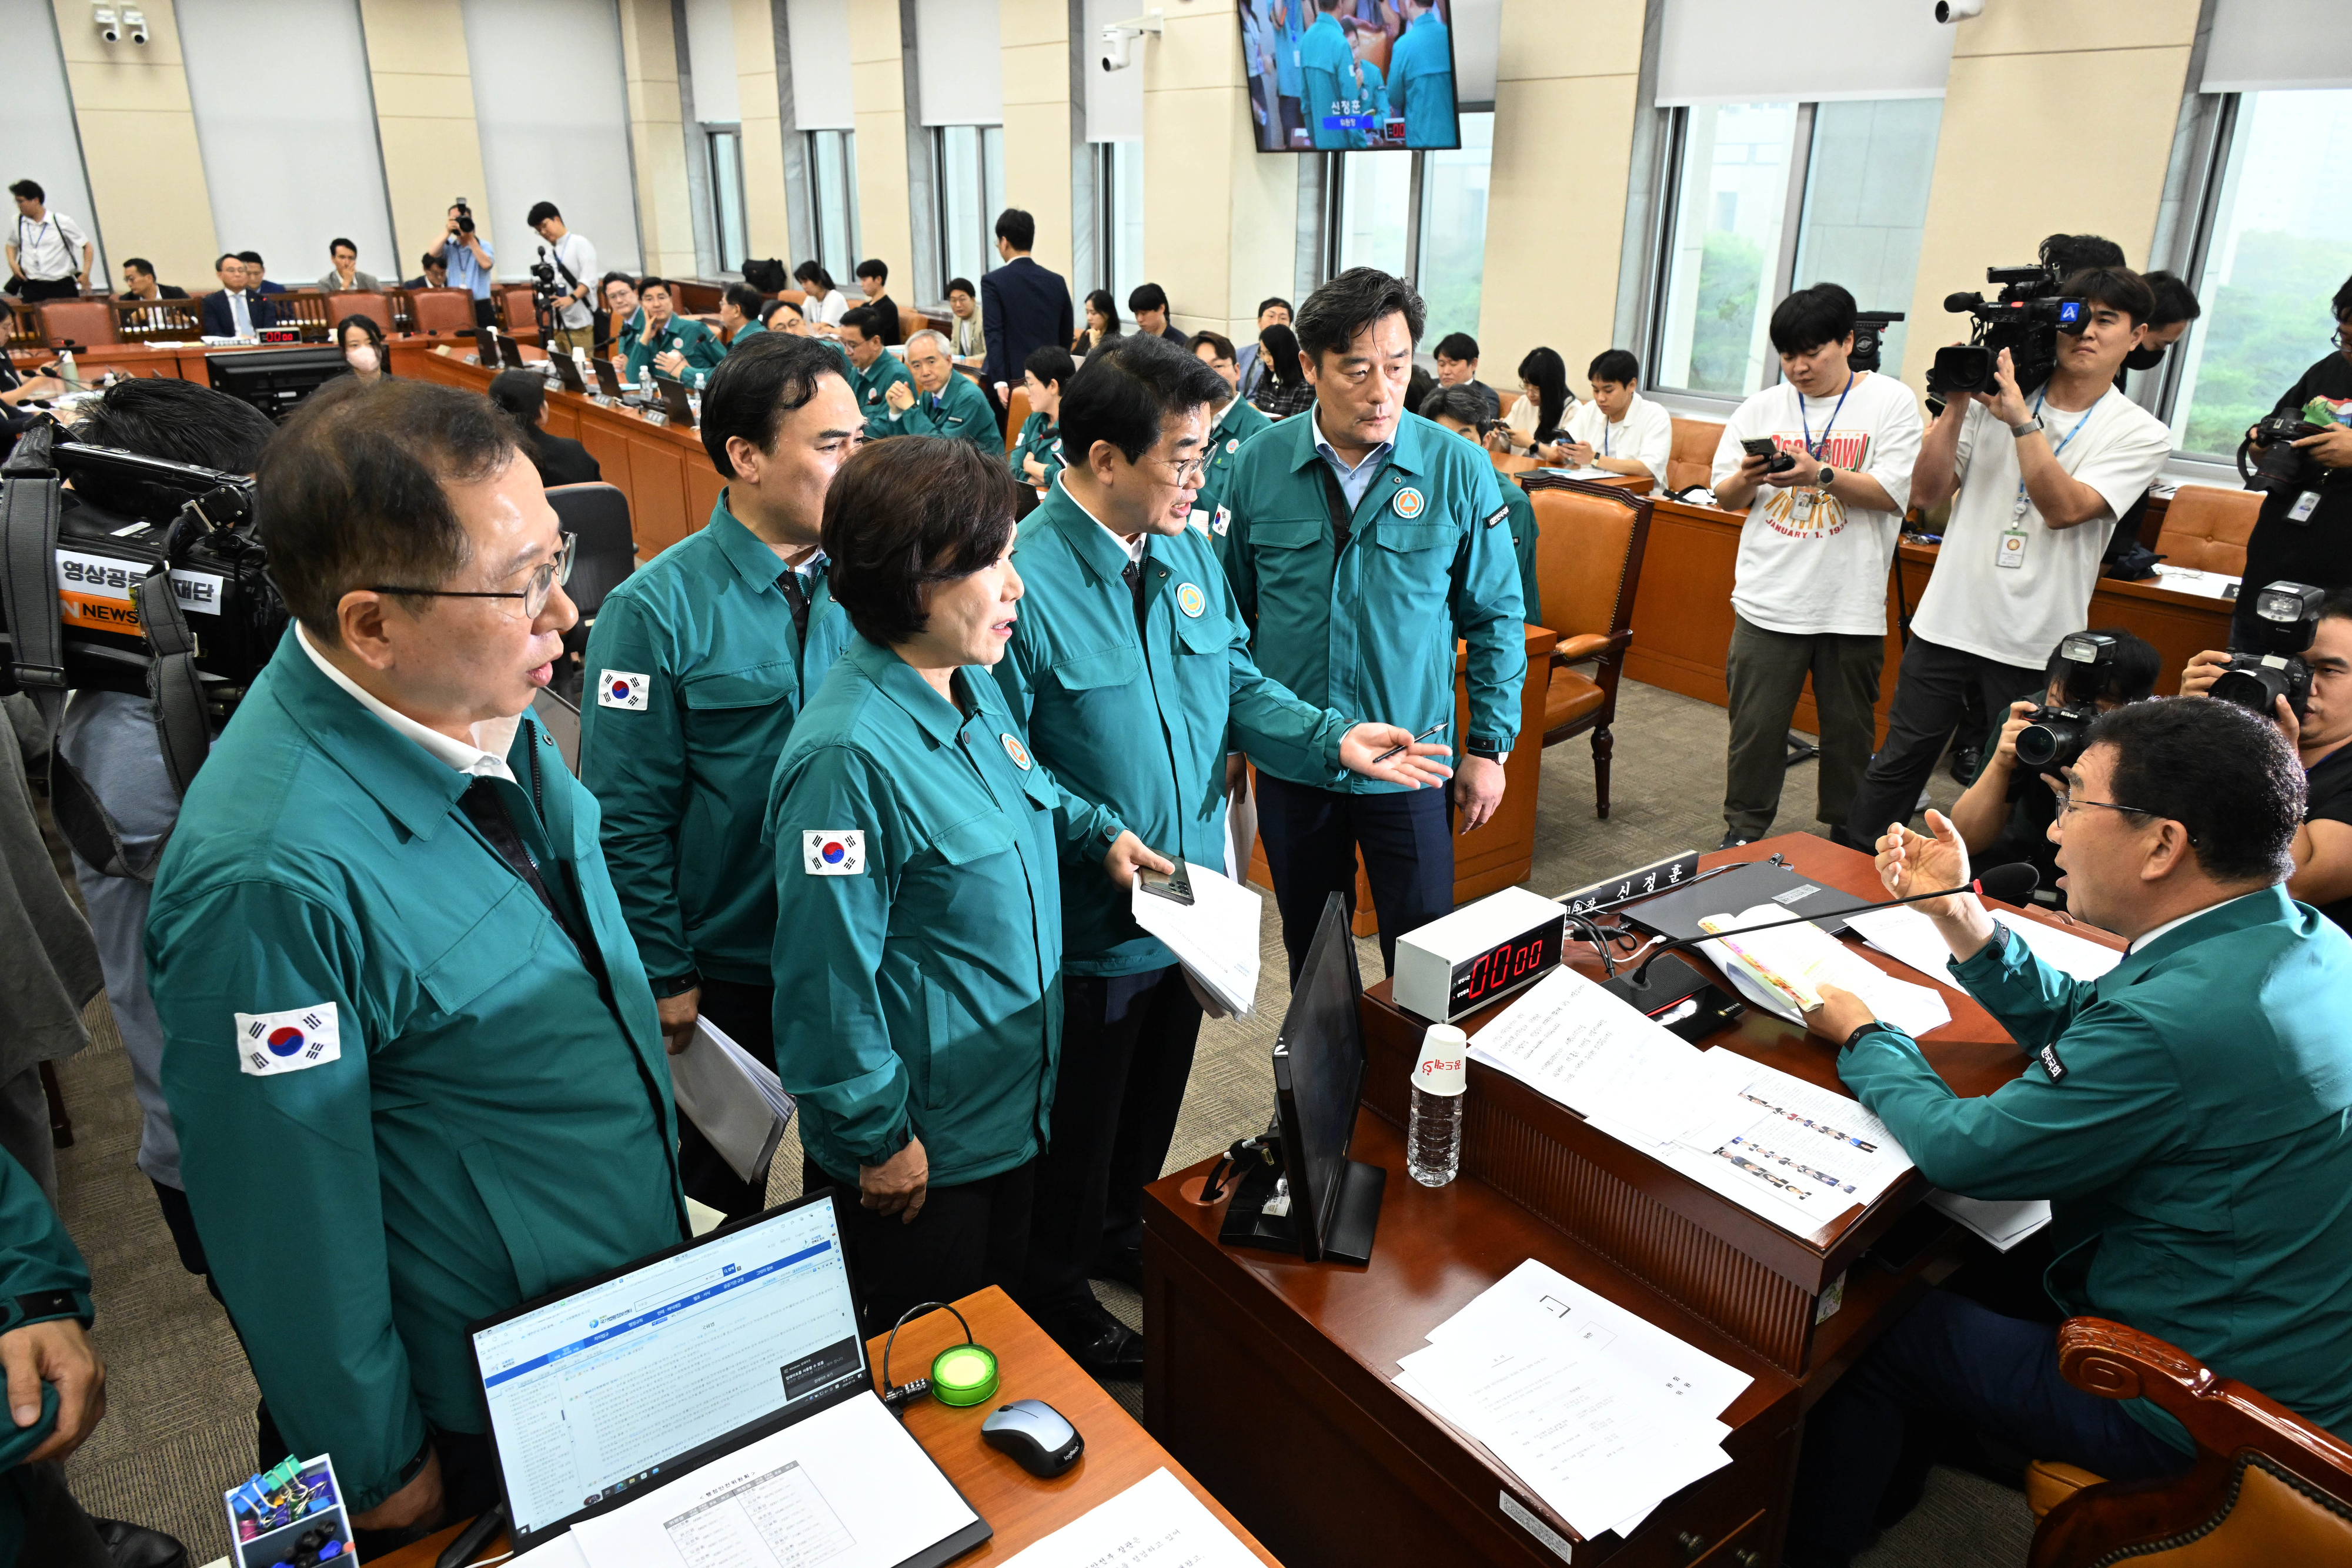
<point>1827,425</point>
<point>2017,512</point>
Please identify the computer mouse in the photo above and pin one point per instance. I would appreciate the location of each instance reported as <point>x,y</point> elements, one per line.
<point>1038,1437</point>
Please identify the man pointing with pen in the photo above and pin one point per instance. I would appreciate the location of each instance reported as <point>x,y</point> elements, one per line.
<point>1129,672</point>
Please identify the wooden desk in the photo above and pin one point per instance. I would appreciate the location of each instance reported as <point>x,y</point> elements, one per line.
<point>186,361</point>
<point>1682,613</point>
<point>1020,1507</point>
<point>1515,463</point>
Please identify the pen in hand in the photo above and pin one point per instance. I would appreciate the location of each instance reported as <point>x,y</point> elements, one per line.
<point>1433,729</point>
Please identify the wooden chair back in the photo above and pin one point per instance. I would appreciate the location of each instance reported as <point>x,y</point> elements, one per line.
<point>159,320</point>
<point>305,308</point>
<point>1590,541</point>
<point>2206,529</point>
<point>1691,460</point>
<point>376,307</point>
<point>82,322</point>
<point>1016,414</point>
<point>23,324</point>
<point>440,310</point>
<point>912,321</point>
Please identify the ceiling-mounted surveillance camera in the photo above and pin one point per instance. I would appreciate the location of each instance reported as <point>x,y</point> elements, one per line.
<point>1118,51</point>
<point>1948,11</point>
<point>136,20</point>
<point>110,27</point>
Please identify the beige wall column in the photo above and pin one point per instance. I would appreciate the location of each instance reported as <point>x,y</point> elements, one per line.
<point>767,219</point>
<point>424,117</point>
<point>1564,108</point>
<point>2058,117</point>
<point>1036,48</point>
<point>658,138</point>
<point>878,89</point>
<point>139,145</point>
<point>1220,218</point>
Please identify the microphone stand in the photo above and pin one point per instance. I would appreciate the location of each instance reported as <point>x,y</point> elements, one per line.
<point>1684,943</point>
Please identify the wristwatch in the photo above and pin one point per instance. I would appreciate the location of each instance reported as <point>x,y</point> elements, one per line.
<point>1828,474</point>
<point>676,984</point>
<point>2028,428</point>
<point>1488,753</point>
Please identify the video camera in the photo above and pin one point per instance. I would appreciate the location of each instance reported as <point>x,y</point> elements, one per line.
<point>2280,465</point>
<point>2025,318</point>
<point>2053,737</point>
<point>544,294</point>
<point>2286,615</point>
<point>1869,338</point>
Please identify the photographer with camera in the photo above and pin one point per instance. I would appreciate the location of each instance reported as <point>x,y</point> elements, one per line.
<point>2036,481</point>
<point>468,257</point>
<point>574,262</point>
<point>2317,720</point>
<point>2304,449</point>
<point>2006,814</point>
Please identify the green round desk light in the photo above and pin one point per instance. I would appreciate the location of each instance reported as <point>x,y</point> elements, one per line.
<point>961,1376</point>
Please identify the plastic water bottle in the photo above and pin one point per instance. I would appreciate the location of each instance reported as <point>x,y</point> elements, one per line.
<point>1433,1139</point>
<point>68,371</point>
<point>694,399</point>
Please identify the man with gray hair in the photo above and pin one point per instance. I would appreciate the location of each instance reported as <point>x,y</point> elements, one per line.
<point>941,401</point>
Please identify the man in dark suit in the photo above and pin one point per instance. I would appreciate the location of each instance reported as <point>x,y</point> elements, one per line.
<point>236,310</point>
<point>254,279</point>
<point>559,459</point>
<point>1023,307</point>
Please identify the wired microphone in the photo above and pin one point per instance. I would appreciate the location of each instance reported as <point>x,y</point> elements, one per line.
<point>2012,884</point>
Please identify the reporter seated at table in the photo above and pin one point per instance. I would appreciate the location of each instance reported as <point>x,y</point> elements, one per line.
<point>2005,815</point>
<point>940,400</point>
<point>2188,1116</point>
<point>1617,429</point>
<point>2323,845</point>
<point>677,347</point>
<point>362,341</point>
<point>918,850</point>
<point>559,459</point>
<point>1457,409</point>
<point>1545,403</point>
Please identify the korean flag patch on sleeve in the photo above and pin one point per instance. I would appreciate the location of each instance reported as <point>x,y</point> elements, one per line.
<point>834,852</point>
<point>622,689</point>
<point>271,1043</point>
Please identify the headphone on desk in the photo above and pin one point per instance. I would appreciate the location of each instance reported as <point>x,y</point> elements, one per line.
<point>963,1374</point>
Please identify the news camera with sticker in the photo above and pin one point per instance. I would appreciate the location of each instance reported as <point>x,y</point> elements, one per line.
<point>2025,318</point>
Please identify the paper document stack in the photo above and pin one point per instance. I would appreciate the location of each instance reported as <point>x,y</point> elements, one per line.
<point>1780,970</point>
<point>2001,1222</point>
<point>741,1105</point>
<point>1216,937</point>
<point>1154,1521</point>
<point>1910,937</point>
<point>1796,1155</point>
<point>1595,1409</point>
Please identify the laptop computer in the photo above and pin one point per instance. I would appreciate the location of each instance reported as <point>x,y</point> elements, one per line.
<point>567,373</point>
<point>608,380</point>
<point>660,1372</point>
<point>511,352</point>
<point>674,403</point>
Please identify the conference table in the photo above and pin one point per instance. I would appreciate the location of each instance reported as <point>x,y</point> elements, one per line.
<point>1020,1508</point>
<point>1272,1378</point>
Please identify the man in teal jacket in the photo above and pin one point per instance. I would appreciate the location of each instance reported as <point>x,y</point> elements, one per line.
<point>874,369</point>
<point>940,400</point>
<point>2188,1114</point>
<point>1461,410</point>
<point>408,1045</point>
<point>674,345</point>
<point>1362,541</point>
<point>1420,78</point>
<point>1128,670</point>
<point>1236,421</point>
<point>1328,68</point>
<point>697,667</point>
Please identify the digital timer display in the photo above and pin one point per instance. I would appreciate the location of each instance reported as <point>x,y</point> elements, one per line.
<point>1505,966</point>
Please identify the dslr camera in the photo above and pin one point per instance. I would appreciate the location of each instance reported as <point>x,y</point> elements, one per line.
<point>2025,318</point>
<point>465,216</point>
<point>2287,616</point>
<point>2053,737</point>
<point>2280,465</point>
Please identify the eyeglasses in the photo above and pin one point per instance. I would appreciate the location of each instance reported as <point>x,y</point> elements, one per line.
<point>533,594</point>
<point>2341,337</point>
<point>1189,469</point>
<point>2068,804</point>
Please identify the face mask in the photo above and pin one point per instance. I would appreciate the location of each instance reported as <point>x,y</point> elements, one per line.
<point>362,357</point>
<point>2143,358</point>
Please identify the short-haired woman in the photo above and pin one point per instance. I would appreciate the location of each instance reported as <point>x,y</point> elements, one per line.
<point>362,341</point>
<point>919,944</point>
<point>1036,454</point>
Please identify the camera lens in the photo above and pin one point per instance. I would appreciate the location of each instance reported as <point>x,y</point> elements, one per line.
<point>2051,741</point>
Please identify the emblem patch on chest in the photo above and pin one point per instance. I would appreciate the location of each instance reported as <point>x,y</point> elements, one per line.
<point>1409,503</point>
<point>1015,750</point>
<point>1191,600</point>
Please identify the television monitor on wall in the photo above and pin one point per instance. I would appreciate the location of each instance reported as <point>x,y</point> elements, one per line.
<point>1335,76</point>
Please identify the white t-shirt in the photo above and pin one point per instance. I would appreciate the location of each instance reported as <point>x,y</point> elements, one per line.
<point>1646,433</point>
<point>1809,563</point>
<point>576,254</point>
<point>828,310</point>
<point>2016,614</point>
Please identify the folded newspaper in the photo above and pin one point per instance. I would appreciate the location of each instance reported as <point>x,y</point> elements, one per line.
<point>740,1104</point>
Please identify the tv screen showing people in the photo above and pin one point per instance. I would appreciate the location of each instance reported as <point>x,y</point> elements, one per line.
<point>1328,76</point>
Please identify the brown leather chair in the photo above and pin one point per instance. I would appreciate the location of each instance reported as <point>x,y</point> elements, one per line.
<point>1016,414</point>
<point>1510,400</point>
<point>441,309</point>
<point>82,322</point>
<point>376,307</point>
<point>2206,529</point>
<point>1691,460</point>
<point>912,321</point>
<point>1589,544</point>
<point>2269,1489</point>
<point>516,317</point>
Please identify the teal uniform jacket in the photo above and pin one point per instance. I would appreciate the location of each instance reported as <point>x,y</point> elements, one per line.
<point>695,677</point>
<point>959,409</point>
<point>1522,524</point>
<point>1420,83</point>
<point>1328,67</point>
<point>36,1257</point>
<point>405,1101</point>
<point>1236,422</point>
<point>870,383</point>
<point>1375,101</point>
<point>625,338</point>
<point>1135,727</point>
<point>698,344</point>
<point>1040,438</point>
<point>918,962</point>
<point>1288,80</point>
<point>749,330</point>
<point>1427,562</point>
<point>2189,1118</point>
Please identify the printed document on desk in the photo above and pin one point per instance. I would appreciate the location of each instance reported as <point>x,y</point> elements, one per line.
<point>846,1487</point>
<point>1910,937</point>
<point>1595,1052</point>
<point>1216,937</point>
<point>1156,1521</point>
<point>1792,961</point>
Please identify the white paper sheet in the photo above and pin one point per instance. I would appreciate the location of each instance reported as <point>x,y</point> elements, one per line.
<point>1594,1052</point>
<point>847,1487</point>
<point>1156,1521</point>
<point>1823,1152</point>
<point>1910,937</point>
<point>2078,957</point>
<point>1798,956</point>
<point>562,1551</point>
<point>2003,1223</point>
<point>739,1103</point>
<point>1215,937</point>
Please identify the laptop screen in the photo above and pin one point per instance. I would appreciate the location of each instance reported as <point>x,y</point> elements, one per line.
<point>621,1385</point>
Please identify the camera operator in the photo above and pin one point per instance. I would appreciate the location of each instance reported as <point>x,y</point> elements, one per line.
<point>2188,1114</point>
<point>416,1067</point>
<point>2304,534</point>
<point>468,257</point>
<point>575,267</point>
<point>2006,814</point>
<point>2039,482</point>
<point>2322,846</point>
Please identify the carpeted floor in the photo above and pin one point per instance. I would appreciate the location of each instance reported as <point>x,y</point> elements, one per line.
<point>179,1424</point>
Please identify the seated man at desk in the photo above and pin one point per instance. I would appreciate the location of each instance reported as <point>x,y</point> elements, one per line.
<point>2188,1116</point>
<point>940,400</point>
<point>236,310</point>
<point>874,369</point>
<point>138,282</point>
<point>434,276</point>
<point>676,346</point>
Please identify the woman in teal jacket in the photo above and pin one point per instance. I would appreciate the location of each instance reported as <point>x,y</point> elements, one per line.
<point>1036,456</point>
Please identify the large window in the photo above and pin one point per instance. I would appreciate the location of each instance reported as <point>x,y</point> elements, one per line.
<point>970,161</point>
<point>1119,214</point>
<point>727,196</point>
<point>1768,197</point>
<point>1375,210</point>
<point>833,191</point>
<point>2278,243</point>
<point>1422,215</point>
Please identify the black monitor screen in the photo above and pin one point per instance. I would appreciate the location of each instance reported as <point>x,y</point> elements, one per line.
<point>1319,1056</point>
<point>274,380</point>
<point>1350,74</point>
